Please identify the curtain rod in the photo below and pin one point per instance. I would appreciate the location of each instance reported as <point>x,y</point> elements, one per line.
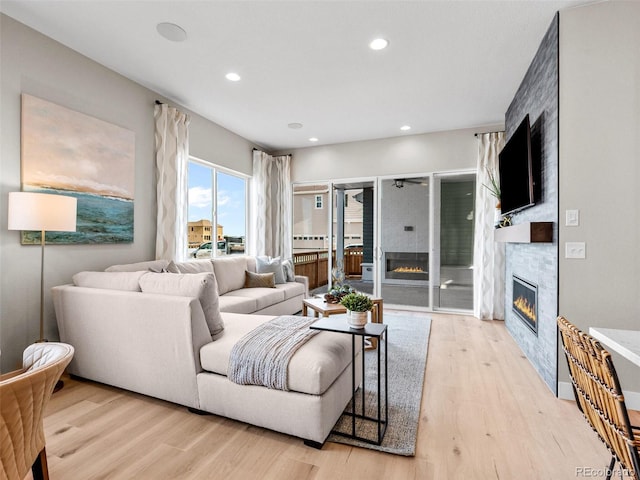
<point>482,133</point>
<point>258,150</point>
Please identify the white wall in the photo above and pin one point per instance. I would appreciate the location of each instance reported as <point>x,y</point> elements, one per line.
<point>32,63</point>
<point>600,171</point>
<point>431,152</point>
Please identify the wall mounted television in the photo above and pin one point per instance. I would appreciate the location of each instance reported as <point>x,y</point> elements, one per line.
<point>519,171</point>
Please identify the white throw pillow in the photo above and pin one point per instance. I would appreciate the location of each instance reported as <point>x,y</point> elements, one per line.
<point>202,286</point>
<point>151,265</point>
<point>194,266</point>
<point>271,265</point>
<point>127,281</point>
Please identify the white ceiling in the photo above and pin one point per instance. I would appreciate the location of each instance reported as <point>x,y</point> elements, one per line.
<point>449,64</point>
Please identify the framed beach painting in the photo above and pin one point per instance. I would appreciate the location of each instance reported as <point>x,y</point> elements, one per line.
<point>69,153</point>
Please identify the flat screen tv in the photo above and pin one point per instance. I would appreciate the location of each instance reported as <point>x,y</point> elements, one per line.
<point>519,171</point>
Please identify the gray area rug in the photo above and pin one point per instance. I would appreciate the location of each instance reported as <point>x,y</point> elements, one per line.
<point>408,340</point>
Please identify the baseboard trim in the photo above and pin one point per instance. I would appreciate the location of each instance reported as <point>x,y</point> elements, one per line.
<point>632,399</point>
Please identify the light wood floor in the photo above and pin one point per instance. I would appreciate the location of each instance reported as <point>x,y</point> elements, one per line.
<point>485,415</point>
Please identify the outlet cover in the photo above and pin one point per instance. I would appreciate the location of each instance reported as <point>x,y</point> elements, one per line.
<point>575,250</point>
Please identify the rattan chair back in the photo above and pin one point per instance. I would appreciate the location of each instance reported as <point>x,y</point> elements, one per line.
<point>24,395</point>
<point>599,396</point>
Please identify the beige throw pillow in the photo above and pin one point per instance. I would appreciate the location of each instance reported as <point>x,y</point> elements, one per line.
<point>259,280</point>
<point>198,285</point>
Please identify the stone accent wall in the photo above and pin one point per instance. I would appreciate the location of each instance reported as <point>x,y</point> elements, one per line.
<point>538,263</point>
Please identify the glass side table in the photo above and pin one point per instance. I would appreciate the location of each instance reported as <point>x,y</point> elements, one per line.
<point>338,324</point>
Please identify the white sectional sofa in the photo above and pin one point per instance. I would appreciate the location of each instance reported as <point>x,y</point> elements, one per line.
<point>161,345</point>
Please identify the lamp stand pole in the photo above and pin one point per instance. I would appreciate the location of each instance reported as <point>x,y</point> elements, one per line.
<point>42,241</point>
<point>60,383</point>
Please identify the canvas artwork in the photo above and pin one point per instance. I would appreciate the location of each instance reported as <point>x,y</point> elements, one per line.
<point>69,153</point>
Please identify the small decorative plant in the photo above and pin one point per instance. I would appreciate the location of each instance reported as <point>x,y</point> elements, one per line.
<point>494,186</point>
<point>337,292</point>
<point>357,302</point>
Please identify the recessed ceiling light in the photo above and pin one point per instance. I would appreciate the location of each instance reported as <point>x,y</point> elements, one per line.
<point>378,44</point>
<point>313,139</point>
<point>295,125</point>
<point>233,77</point>
<point>404,128</point>
<point>171,31</point>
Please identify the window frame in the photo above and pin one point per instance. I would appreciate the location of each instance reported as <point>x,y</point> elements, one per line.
<point>215,169</point>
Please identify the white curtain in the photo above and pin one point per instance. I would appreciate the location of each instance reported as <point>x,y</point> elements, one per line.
<point>271,205</point>
<point>489,263</point>
<point>172,160</point>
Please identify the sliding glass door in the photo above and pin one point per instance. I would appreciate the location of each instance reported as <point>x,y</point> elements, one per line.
<point>407,239</point>
<point>405,245</point>
<point>454,214</point>
<point>353,224</point>
<point>311,236</point>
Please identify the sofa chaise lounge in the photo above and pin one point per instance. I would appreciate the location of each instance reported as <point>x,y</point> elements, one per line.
<point>161,345</point>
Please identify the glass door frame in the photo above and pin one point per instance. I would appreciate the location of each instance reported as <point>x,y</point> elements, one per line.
<point>435,205</point>
<point>349,181</point>
<point>379,273</point>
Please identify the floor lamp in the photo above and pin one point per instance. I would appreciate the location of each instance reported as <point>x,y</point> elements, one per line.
<point>43,212</point>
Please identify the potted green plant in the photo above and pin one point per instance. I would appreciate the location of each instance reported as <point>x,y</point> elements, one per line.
<point>357,305</point>
<point>337,292</point>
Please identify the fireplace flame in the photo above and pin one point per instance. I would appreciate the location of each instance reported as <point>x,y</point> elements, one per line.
<point>524,307</point>
<point>408,270</point>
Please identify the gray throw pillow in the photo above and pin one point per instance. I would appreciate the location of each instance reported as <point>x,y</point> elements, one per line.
<point>289,270</point>
<point>271,265</point>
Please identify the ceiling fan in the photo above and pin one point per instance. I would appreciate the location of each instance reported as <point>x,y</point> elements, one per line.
<point>399,182</point>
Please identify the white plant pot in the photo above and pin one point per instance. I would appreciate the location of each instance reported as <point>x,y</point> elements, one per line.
<point>356,319</point>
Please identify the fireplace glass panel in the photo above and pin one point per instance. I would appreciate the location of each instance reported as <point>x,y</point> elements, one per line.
<point>525,302</point>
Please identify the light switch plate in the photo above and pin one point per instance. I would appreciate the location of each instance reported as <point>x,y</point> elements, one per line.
<point>575,250</point>
<point>572,218</point>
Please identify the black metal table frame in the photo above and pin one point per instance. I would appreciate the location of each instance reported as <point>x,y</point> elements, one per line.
<point>376,330</point>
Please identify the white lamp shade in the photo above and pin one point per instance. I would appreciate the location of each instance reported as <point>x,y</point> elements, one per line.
<point>42,211</point>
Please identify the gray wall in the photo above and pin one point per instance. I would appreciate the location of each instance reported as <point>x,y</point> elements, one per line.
<point>407,154</point>
<point>34,64</point>
<point>537,263</point>
<point>600,171</point>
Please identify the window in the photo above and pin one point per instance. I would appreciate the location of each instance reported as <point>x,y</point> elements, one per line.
<point>318,201</point>
<point>228,212</point>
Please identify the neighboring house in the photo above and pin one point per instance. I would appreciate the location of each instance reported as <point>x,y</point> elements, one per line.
<point>200,232</point>
<point>311,210</point>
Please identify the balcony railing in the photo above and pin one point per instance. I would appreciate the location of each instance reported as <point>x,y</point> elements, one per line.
<point>315,265</point>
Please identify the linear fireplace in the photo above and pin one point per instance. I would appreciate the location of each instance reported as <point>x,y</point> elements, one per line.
<point>406,267</point>
<point>525,302</point>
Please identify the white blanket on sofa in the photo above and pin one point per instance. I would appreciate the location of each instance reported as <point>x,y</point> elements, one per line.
<point>262,356</point>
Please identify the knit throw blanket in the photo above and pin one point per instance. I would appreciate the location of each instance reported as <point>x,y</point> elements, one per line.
<point>262,356</point>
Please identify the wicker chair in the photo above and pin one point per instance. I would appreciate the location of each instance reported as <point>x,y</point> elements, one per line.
<point>599,397</point>
<point>24,396</point>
